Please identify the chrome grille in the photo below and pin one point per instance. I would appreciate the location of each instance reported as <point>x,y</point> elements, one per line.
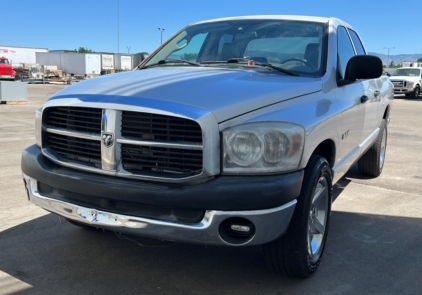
<point>399,84</point>
<point>144,145</point>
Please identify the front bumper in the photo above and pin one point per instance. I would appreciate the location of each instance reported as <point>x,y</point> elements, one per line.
<point>269,224</point>
<point>10,77</point>
<point>403,90</point>
<point>268,202</point>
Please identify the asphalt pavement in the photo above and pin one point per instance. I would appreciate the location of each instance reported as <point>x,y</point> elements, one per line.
<point>373,247</point>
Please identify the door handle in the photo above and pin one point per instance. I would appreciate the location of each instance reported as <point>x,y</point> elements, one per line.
<point>376,93</point>
<point>364,99</point>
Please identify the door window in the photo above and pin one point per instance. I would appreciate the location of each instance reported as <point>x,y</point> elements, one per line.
<point>357,42</point>
<point>345,51</point>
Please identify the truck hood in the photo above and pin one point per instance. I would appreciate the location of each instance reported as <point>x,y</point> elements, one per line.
<point>6,70</point>
<point>406,78</point>
<point>224,92</point>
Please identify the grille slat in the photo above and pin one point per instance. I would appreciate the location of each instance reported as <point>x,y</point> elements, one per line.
<point>164,162</point>
<point>71,140</point>
<point>184,137</point>
<point>71,148</point>
<point>173,124</point>
<point>70,126</point>
<point>58,119</point>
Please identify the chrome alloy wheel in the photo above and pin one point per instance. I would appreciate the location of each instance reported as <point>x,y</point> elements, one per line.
<point>383,147</point>
<point>317,219</point>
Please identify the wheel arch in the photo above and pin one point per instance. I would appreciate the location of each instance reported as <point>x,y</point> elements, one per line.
<point>327,150</point>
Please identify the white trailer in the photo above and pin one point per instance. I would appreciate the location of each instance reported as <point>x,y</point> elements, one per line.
<point>18,56</point>
<point>107,61</point>
<point>72,63</point>
<point>123,62</point>
<point>81,63</point>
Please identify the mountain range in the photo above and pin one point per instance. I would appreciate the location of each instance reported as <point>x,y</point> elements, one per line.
<point>397,58</point>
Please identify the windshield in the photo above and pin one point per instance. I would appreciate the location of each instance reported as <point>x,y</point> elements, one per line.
<point>292,45</point>
<point>4,61</point>
<point>407,72</point>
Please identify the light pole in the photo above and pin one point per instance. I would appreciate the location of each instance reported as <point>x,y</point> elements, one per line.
<point>388,60</point>
<point>128,49</point>
<point>161,30</point>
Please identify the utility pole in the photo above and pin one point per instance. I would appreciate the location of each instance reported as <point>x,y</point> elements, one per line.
<point>388,61</point>
<point>161,30</point>
<point>128,49</point>
<point>118,21</point>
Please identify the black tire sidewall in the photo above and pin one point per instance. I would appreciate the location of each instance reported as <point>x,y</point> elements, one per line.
<point>416,92</point>
<point>319,167</point>
<point>325,171</point>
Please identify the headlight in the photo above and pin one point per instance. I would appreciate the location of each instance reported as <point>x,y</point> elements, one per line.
<point>38,126</point>
<point>410,84</point>
<point>262,147</point>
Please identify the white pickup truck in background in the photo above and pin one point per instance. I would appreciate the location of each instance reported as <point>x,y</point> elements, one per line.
<point>407,81</point>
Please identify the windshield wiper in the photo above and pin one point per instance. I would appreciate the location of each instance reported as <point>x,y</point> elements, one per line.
<point>173,61</point>
<point>277,69</point>
<point>244,61</point>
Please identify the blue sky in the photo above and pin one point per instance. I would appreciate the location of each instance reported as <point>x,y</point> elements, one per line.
<point>93,23</point>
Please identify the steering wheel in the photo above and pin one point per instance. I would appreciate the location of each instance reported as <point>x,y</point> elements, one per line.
<point>304,61</point>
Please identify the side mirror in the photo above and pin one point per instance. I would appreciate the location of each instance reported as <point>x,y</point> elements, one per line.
<point>362,67</point>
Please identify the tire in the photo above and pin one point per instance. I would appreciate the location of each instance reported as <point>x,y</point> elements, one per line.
<point>372,162</point>
<point>79,224</point>
<point>416,92</point>
<point>291,254</point>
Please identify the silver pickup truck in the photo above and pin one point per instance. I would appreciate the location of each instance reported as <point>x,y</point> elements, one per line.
<point>232,133</point>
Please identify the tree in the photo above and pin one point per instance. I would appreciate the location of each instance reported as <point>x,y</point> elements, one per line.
<point>392,64</point>
<point>420,59</point>
<point>84,50</point>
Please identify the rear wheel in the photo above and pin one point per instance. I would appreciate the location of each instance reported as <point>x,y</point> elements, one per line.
<point>372,162</point>
<point>298,253</point>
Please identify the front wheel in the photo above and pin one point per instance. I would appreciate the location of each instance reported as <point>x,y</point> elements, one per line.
<point>416,92</point>
<point>299,251</point>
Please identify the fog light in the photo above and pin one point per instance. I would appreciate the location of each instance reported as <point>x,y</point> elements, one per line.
<point>241,228</point>
<point>236,230</point>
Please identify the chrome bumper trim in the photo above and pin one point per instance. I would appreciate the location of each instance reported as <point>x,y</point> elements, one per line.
<point>269,223</point>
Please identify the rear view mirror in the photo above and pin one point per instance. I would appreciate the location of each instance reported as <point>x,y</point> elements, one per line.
<point>364,67</point>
